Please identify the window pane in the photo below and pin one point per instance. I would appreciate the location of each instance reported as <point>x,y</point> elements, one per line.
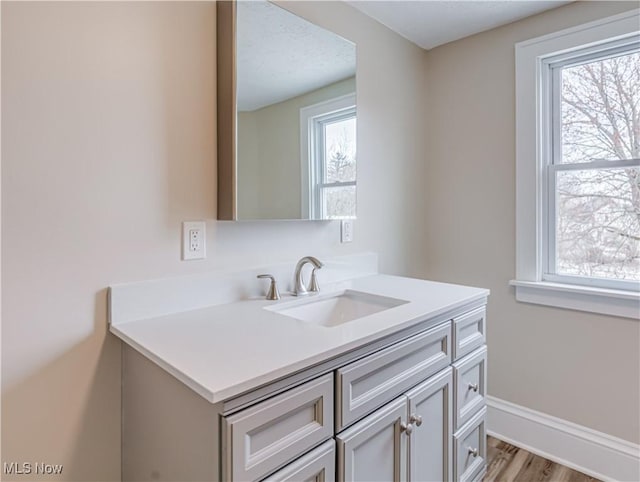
<point>600,105</point>
<point>340,151</point>
<point>339,202</point>
<point>598,223</point>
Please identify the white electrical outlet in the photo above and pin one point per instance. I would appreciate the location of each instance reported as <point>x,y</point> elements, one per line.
<point>194,240</point>
<point>346,231</point>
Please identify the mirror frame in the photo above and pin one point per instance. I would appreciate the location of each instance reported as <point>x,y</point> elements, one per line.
<point>226,107</point>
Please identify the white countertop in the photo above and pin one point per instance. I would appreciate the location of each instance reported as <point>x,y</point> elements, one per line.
<point>225,350</point>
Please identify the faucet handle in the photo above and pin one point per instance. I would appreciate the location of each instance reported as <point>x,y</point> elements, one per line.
<point>273,293</point>
<point>314,287</point>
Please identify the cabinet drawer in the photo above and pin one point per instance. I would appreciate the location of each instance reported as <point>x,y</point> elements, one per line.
<point>470,382</point>
<point>468,332</point>
<point>272,433</point>
<point>470,449</point>
<point>367,384</point>
<point>319,465</point>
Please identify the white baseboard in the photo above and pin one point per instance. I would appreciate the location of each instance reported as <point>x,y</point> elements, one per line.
<point>589,451</point>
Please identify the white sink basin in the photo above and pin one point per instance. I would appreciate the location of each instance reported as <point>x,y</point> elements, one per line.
<point>335,308</point>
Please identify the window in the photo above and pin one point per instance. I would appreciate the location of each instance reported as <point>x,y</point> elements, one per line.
<point>592,164</point>
<point>578,168</point>
<point>328,134</point>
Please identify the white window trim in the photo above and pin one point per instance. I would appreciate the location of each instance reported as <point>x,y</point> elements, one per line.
<point>307,116</point>
<point>530,122</point>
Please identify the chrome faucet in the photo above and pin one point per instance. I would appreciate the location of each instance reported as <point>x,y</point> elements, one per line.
<point>298,285</point>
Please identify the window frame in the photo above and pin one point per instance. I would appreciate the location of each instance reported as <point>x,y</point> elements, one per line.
<point>533,151</point>
<point>312,121</point>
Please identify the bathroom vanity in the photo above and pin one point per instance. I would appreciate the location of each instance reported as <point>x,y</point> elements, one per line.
<point>375,378</point>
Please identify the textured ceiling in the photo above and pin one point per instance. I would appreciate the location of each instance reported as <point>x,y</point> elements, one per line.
<point>429,23</point>
<point>280,55</point>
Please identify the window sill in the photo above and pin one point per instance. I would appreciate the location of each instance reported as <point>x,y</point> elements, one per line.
<point>582,298</point>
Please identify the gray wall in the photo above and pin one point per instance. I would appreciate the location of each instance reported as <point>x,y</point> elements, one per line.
<point>577,366</point>
<point>108,130</point>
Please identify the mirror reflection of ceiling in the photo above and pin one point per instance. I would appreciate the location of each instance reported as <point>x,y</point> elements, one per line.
<point>280,55</point>
<point>437,22</point>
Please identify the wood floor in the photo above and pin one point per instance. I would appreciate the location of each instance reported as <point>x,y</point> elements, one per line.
<point>507,463</point>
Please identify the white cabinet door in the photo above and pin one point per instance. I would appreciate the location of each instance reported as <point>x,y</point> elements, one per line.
<point>430,442</point>
<point>375,448</point>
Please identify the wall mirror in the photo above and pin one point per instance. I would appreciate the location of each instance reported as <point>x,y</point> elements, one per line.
<point>286,116</point>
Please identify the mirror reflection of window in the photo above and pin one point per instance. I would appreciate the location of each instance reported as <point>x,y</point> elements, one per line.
<point>285,65</point>
<point>328,155</point>
<point>333,164</point>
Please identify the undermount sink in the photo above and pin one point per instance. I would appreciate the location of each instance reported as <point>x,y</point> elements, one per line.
<point>334,309</point>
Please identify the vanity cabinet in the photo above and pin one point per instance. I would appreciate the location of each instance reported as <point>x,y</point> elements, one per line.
<point>411,411</point>
<point>409,406</point>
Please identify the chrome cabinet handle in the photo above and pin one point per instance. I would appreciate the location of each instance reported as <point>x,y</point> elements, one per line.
<point>417,419</point>
<point>473,386</point>
<point>473,451</point>
<point>406,428</point>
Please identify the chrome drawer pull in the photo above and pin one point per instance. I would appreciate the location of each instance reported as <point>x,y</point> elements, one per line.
<point>473,386</point>
<point>406,428</point>
<point>417,419</point>
<point>473,452</point>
